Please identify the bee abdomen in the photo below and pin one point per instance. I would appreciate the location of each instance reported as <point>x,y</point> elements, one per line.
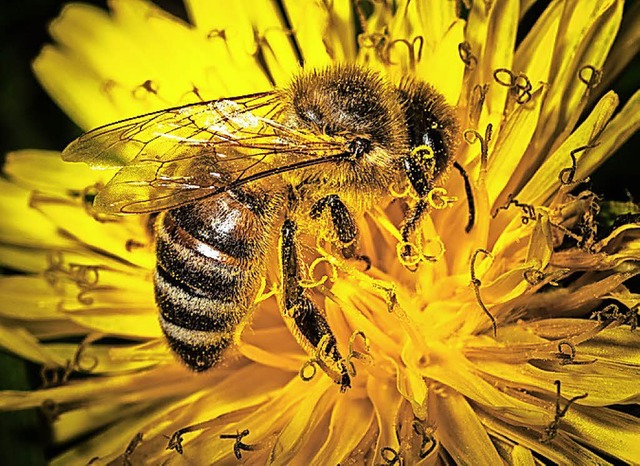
<point>209,258</point>
<point>199,349</point>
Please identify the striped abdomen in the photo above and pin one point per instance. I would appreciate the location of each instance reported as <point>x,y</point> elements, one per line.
<point>210,256</point>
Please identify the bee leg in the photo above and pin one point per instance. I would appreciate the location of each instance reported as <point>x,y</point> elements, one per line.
<point>419,168</point>
<point>343,223</point>
<point>311,329</point>
<point>412,219</point>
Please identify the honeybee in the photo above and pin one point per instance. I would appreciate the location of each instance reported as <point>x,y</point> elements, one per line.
<point>230,177</point>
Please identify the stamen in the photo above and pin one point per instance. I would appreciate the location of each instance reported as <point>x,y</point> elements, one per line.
<point>351,369</point>
<point>592,79</point>
<point>378,41</point>
<point>570,357</point>
<point>566,358</point>
<point>414,56</point>
<point>612,313</point>
<point>175,441</point>
<point>239,445</point>
<point>533,276</point>
<point>468,58</point>
<point>308,364</point>
<point>132,244</point>
<point>390,294</point>
<point>438,199</point>
<point>527,209</point>
<point>410,255</point>
<point>51,410</point>
<point>471,136</point>
<point>49,376</point>
<point>374,40</point>
<point>261,295</point>
<point>149,87</point>
<point>567,232</point>
<point>429,443</point>
<point>551,430</point>
<point>519,85</point>
<point>399,193</point>
<point>87,195</point>
<point>76,364</point>
<point>382,43</point>
<point>362,19</point>
<point>316,360</point>
<point>567,175</point>
<point>510,78</point>
<point>312,283</point>
<point>108,86</point>
<point>217,34</point>
<point>478,96</point>
<point>137,440</point>
<point>470,200</point>
<point>476,283</point>
<point>423,151</point>
<point>194,90</point>
<point>389,456</point>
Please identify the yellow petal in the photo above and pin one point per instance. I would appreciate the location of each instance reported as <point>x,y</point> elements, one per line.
<point>28,298</point>
<point>94,358</point>
<point>350,420</point>
<point>310,21</point>
<point>230,34</point>
<point>118,322</point>
<point>52,174</point>
<point>19,341</point>
<point>386,401</point>
<point>562,450</point>
<point>71,85</point>
<point>625,47</point>
<point>80,421</point>
<point>274,41</point>
<point>614,344</point>
<point>318,400</point>
<point>108,443</point>
<point>439,66</point>
<point>514,139</point>
<point>612,432</point>
<point>586,33</point>
<point>24,226</point>
<point>521,456</point>
<point>111,237</point>
<point>546,180</point>
<point>535,53</point>
<point>460,430</point>
<point>498,53</point>
<point>621,127</point>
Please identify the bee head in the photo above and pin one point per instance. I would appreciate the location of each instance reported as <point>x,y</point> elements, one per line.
<point>430,122</point>
<point>360,106</point>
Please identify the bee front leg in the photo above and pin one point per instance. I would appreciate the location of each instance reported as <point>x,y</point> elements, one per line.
<point>419,167</point>
<point>412,219</point>
<point>310,329</point>
<point>344,225</point>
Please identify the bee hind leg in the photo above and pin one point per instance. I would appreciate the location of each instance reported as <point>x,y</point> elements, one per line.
<point>344,225</point>
<point>310,328</point>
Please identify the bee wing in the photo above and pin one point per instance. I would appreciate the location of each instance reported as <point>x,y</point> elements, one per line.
<point>180,155</point>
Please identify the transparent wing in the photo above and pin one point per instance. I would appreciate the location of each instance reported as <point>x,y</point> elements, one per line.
<point>180,155</point>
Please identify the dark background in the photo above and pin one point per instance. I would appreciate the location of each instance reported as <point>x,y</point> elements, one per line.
<point>30,119</point>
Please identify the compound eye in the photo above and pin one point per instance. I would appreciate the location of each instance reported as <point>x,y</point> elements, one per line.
<point>359,147</point>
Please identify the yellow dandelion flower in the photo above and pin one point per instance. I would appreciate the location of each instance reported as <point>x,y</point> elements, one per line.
<point>499,328</point>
